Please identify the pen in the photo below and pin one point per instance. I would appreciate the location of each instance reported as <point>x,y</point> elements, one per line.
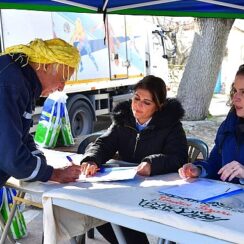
<point>227,190</point>
<point>111,169</point>
<point>101,170</point>
<point>70,160</point>
<point>226,194</point>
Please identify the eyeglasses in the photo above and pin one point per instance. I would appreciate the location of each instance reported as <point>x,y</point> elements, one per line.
<point>146,103</point>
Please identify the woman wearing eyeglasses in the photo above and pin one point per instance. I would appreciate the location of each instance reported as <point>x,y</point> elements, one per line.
<point>226,160</point>
<point>145,131</point>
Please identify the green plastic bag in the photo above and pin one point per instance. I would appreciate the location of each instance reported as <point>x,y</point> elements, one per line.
<point>18,225</point>
<point>65,137</point>
<point>54,122</point>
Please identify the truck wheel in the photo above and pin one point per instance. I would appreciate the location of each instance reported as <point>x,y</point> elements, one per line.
<point>81,119</point>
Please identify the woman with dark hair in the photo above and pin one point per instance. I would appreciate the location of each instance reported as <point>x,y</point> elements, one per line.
<point>226,160</point>
<point>146,132</point>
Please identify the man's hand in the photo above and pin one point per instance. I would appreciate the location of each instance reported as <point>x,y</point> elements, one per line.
<point>89,168</point>
<point>144,169</point>
<point>189,171</point>
<point>67,174</point>
<point>231,170</point>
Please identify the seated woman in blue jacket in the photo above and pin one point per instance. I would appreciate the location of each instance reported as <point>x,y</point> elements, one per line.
<point>226,160</point>
<point>147,132</point>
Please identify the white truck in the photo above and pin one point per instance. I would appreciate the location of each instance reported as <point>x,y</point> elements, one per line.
<point>114,56</point>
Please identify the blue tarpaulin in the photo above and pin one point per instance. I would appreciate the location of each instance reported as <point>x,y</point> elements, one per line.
<point>194,8</point>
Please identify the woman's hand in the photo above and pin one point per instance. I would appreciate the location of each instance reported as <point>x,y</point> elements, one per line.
<point>89,168</point>
<point>144,169</point>
<point>231,170</point>
<point>189,171</point>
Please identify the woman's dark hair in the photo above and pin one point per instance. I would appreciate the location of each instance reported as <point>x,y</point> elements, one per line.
<point>156,86</point>
<point>240,71</point>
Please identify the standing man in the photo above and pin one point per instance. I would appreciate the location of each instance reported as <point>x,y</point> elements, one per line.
<point>26,73</point>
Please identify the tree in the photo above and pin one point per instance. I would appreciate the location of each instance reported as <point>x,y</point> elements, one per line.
<point>199,78</point>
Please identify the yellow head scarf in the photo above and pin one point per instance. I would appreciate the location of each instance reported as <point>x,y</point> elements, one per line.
<point>49,51</point>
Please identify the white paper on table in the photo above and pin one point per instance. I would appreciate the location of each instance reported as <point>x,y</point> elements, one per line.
<point>200,189</point>
<point>58,159</point>
<point>111,174</point>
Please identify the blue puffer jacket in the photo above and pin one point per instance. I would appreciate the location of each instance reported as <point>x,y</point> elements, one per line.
<point>229,146</point>
<point>19,88</point>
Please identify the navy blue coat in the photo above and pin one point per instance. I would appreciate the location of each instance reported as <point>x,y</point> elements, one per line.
<point>229,146</point>
<point>19,89</point>
<point>162,143</point>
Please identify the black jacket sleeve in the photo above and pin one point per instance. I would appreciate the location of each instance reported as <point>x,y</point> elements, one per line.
<point>174,153</point>
<point>104,148</point>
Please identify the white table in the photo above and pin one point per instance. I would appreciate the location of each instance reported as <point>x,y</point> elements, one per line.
<point>131,204</point>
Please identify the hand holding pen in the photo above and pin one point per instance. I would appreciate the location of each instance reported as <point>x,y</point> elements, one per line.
<point>70,160</point>
<point>67,174</point>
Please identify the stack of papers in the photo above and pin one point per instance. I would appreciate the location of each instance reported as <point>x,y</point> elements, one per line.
<point>204,190</point>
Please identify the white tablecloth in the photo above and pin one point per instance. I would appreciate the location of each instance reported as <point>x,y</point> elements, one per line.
<point>140,199</point>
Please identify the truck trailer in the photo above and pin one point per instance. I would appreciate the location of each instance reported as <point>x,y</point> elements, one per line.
<point>115,54</point>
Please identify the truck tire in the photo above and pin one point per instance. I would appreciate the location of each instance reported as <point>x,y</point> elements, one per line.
<point>81,119</point>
